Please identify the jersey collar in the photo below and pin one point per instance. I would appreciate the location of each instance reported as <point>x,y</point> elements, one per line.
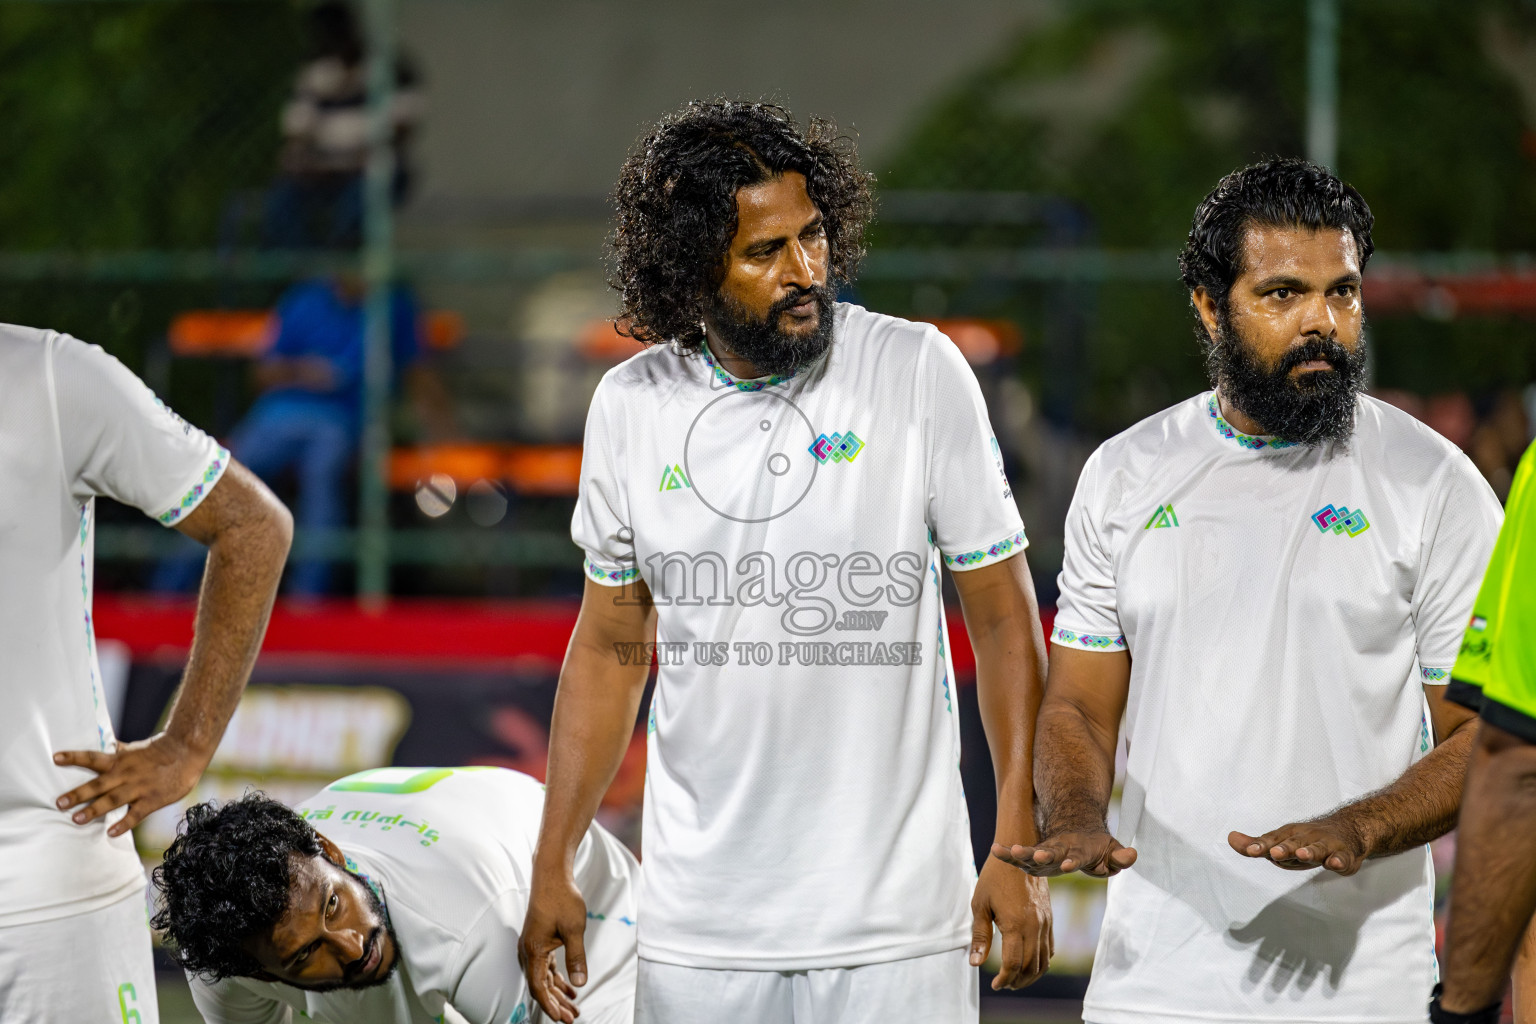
<point>378,890</point>
<point>1246,440</point>
<point>755,384</point>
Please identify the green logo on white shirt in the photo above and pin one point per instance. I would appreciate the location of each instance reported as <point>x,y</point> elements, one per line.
<point>1162,519</point>
<point>673,479</point>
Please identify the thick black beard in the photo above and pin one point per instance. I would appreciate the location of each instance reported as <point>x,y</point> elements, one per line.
<point>1314,409</point>
<point>762,343</point>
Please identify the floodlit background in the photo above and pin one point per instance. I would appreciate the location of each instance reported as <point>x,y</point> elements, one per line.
<point>167,183</point>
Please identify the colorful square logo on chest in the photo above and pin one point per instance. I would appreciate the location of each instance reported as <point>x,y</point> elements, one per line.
<point>837,448</point>
<point>1341,520</point>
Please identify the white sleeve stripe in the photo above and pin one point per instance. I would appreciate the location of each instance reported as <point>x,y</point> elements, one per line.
<point>198,491</point>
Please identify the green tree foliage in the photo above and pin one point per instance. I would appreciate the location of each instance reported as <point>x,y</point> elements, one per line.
<point>1134,110</point>
<point>129,125</point>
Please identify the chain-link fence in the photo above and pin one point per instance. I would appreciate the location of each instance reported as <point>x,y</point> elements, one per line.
<point>154,187</point>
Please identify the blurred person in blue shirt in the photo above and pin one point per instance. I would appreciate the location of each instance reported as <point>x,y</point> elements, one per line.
<point>309,418</point>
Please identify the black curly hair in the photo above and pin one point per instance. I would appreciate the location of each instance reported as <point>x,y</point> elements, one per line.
<point>1279,192</point>
<point>676,206</point>
<point>225,879</point>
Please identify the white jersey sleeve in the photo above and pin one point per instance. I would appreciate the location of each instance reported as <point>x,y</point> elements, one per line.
<point>601,524</point>
<point>120,441</point>
<point>229,1002</point>
<point>1087,612</point>
<point>1460,527</point>
<point>970,505</point>
<point>489,985</point>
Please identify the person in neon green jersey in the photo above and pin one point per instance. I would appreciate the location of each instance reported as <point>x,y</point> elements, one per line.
<point>1494,891</point>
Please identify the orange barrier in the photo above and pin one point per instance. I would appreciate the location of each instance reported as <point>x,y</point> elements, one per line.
<point>982,341</point>
<point>549,469</point>
<point>222,332</point>
<point>539,469</point>
<point>443,328</point>
<point>249,333</point>
<point>1446,296</point>
<point>464,462</point>
<point>601,342</point>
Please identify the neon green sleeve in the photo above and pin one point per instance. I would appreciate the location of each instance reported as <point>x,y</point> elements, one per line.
<point>1495,671</point>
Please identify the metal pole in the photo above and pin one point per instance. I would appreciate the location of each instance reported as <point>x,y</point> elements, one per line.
<point>378,270</point>
<point>1323,82</point>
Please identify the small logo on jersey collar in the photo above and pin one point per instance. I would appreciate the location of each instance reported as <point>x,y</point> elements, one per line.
<point>837,448</point>
<point>1341,520</point>
<point>1163,519</point>
<point>673,478</point>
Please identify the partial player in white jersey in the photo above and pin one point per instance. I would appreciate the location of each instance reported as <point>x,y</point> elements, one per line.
<point>769,493</point>
<point>393,896</point>
<point>1269,582</point>
<point>75,425</point>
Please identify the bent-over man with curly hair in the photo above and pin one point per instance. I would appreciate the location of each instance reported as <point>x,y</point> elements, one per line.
<point>393,896</point>
<point>769,492</point>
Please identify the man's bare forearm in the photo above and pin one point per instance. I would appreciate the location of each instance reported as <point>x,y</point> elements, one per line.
<point>1009,669</point>
<point>1419,807</point>
<point>594,718</point>
<point>1494,890</point>
<point>1004,627</point>
<point>248,533</point>
<point>1074,770</point>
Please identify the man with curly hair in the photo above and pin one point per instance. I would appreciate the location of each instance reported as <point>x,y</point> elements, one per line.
<point>1267,585</point>
<point>769,492</point>
<point>405,909</point>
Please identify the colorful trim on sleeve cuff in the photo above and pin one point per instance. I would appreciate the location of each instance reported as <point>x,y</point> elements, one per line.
<point>194,497</point>
<point>1435,676</point>
<point>610,577</point>
<point>1087,641</point>
<point>976,559</point>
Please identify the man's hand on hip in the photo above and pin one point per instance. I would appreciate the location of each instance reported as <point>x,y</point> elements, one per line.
<point>1021,906</point>
<point>146,776</point>
<point>1093,853</point>
<point>1325,843</point>
<point>557,916</point>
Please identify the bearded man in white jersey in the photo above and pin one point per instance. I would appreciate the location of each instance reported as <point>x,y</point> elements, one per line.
<point>1269,582</point>
<point>76,425</point>
<point>393,896</point>
<point>768,492</point>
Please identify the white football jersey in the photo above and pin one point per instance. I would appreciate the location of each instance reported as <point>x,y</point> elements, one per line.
<point>74,424</point>
<point>450,852</point>
<point>1283,607</point>
<point>803,806</point>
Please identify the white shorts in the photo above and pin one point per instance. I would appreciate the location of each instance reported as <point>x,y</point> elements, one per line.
<point>942,989</point>
<point>95,966</point>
